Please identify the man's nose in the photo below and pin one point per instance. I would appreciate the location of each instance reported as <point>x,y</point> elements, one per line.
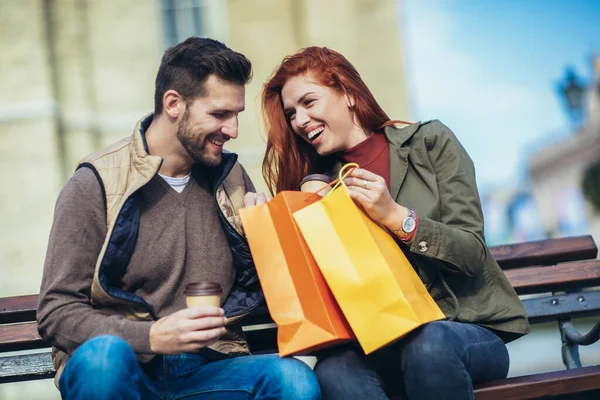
<point>231,128</point>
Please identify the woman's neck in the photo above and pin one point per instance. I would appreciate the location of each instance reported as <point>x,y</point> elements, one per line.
<point>356,136</point>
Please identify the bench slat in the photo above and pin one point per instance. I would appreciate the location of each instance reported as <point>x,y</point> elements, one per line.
<point>18,309</point>
<point>541,385</point>
<point>26,367</point>
<point>25,336</point>
<point>20,337</point>
<point>573,305</point>
<point>545,252</point>
<point>573,275</point>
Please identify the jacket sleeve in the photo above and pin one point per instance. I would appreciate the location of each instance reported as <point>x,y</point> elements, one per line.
<point>457,240</point>
<point>65,315</point>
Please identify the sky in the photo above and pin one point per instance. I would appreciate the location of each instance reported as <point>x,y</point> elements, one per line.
<point>490,70</point>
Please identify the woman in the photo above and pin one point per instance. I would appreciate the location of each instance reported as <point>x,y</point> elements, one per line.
<point>419,183</point>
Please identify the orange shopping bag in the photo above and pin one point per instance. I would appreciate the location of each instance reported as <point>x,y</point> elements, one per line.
<point>306,313</point>
<point>375,285</point>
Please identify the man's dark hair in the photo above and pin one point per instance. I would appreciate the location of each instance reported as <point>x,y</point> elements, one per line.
<point>185,67</point>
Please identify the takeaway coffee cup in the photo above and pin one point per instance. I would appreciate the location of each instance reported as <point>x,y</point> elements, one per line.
<point>312,183</point>
<point>203,294</point>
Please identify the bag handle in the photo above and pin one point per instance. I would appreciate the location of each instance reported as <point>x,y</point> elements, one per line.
<point>344,172</point>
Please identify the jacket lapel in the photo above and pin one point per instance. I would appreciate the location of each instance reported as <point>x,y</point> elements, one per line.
<point>398,168</point>
<point>397,137</point>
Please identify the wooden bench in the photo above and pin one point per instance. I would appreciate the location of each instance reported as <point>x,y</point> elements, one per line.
<point>563,271</point>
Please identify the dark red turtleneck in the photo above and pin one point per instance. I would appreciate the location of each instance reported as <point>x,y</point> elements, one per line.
<point>371,154</point>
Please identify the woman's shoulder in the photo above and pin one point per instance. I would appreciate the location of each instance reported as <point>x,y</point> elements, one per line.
<point>427,131</point>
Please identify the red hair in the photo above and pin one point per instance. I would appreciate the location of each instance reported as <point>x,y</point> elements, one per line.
<point>288,158</point>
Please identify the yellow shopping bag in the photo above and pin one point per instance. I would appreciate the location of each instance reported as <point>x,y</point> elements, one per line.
<point>379,292</point>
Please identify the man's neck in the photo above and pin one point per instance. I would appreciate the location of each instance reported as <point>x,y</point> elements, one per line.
<point>161,137</point>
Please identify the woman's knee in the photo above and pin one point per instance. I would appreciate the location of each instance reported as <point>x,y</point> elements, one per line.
<point>333,365</point>
<point>431,344</point>
<point>345,374</point>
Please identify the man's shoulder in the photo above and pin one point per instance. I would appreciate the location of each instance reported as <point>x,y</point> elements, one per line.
<point>110,155</point>
<point>83,186</point>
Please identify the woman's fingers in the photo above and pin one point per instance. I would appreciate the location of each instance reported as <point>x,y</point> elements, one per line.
<point>366,186</point>
<point>364,174</point>
<point>249,200</point>
<point>261,198</point>
<point>254,199</point>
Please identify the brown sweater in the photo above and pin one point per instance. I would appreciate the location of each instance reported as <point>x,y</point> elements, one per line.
<point>180,240</point>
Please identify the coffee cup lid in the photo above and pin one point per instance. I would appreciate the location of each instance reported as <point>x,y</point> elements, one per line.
<point>202,289</point>
<point>316,177</point>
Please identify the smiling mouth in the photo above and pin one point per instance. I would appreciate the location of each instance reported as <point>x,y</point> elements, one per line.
<point>315,133</point>
<point>216,143</point>
<point>217,140</point>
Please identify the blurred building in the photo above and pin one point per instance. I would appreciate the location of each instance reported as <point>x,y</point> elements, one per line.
<point>511,216</point>
<point>77,75</point>
<point>557,173</point>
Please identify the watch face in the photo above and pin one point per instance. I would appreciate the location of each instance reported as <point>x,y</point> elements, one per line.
<point>408,225</point>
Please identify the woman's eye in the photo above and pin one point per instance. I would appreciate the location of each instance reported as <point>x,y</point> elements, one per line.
<point>309,102</point>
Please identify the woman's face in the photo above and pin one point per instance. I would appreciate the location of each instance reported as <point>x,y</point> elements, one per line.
<point>320,115</point>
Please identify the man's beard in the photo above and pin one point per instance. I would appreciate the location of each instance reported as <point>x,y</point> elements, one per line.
<point>195,144</point>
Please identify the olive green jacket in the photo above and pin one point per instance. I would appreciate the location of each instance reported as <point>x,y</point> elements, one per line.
<point>432,174</point>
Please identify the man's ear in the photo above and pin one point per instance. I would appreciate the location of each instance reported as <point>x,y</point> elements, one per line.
<point>173,104</point>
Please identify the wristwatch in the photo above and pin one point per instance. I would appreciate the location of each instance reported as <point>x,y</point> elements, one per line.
<point>408,228</point>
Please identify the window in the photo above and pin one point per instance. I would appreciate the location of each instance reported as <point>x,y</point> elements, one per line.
<point>185,18</point>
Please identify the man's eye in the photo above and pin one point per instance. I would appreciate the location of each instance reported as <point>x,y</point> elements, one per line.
<point>219,115</point>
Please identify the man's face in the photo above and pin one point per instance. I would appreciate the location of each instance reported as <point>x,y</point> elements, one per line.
<point>211,120</point>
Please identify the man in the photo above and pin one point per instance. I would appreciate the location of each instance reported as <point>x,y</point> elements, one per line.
<point>136,223</point>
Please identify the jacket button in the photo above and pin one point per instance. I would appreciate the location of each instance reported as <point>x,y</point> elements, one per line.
<point>422,247</point>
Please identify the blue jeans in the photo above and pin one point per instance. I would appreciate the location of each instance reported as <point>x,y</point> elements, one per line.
<point>440,360</point>
<point>106,367</point>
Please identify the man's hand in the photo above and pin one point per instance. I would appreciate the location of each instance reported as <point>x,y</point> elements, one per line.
<point>255,199</point>
<point>187,330</point>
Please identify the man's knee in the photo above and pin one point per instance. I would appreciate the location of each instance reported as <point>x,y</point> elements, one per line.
<point>292,378</point>
<point>103,356</point>
<point>104,367</point>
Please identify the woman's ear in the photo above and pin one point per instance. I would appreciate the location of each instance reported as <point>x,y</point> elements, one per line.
<point>349,100</point>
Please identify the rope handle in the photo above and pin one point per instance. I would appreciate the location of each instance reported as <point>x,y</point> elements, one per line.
<point>339,181</point>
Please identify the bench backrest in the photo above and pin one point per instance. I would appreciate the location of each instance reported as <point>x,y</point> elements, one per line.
<point>547,266</point>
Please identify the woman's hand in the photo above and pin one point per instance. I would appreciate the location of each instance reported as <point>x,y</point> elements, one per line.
<point>255,199</point>
<point>371,192</point>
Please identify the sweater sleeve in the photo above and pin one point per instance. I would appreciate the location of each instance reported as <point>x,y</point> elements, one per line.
<point>65,315</point>
<point>457,239</point>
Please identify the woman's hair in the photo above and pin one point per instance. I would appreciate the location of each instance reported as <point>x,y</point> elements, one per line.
<point>288,158</point>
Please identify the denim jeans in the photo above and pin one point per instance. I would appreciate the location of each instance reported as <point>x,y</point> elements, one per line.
<point>440,360</point>
<point>106,367</point>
